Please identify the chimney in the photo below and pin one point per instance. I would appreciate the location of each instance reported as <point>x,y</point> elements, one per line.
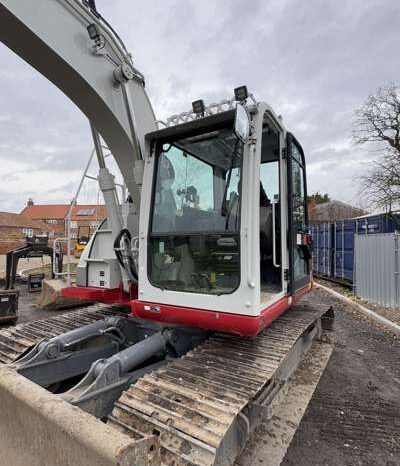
<point>30,202</point>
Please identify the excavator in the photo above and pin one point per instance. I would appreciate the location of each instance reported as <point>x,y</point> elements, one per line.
<point>199,277</point>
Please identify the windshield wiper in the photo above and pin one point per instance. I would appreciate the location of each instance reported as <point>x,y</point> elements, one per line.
<point>224,209</point>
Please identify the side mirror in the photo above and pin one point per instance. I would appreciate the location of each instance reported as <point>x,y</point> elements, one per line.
<point>242,123</point>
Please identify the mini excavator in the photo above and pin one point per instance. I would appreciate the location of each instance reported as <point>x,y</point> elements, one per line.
<point>195,334</point>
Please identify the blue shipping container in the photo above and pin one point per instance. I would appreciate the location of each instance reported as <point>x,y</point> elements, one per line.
<point>373,224</point>
<point>322,248</point>
<point>343,249</point>
<point>333,243</point>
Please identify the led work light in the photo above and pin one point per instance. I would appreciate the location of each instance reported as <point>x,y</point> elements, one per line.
<point>198,107</point>
<point>241,93</point>
<point>93,32</point>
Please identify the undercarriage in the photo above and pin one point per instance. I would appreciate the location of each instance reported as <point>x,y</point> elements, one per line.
<point>200,395</point>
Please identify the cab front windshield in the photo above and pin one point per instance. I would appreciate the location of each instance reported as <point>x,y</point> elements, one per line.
<point>194,234</point>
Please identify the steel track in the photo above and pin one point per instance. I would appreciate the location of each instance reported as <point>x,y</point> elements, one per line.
<point>199,405</point>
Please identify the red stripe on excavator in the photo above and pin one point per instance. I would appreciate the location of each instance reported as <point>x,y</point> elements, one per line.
<point>219,321</point>
<point>98,295</point>
<point>211,320</point>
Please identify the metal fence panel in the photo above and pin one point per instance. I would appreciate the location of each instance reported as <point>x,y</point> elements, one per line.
<point>377,267</point>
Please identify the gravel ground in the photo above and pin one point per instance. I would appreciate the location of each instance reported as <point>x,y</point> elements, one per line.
<point>392,314</point>
<point>354,415</point>
<point>27,308</point>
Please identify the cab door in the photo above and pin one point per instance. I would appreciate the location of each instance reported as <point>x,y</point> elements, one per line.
<point>298,237</point>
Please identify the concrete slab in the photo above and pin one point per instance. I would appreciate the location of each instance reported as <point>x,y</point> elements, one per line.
<point>38,428</point>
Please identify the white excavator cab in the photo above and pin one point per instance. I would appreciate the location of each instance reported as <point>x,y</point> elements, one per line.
<point>216,234</point>
<point>215,217</point>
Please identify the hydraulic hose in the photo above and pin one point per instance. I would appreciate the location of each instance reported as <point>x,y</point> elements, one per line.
<point>128,263</point>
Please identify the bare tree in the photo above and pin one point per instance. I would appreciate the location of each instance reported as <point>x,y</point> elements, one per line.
<point>377,124</point>
<point>382,182</point>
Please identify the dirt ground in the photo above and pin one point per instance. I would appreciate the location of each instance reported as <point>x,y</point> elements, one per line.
<point>27,308</point>
<point>392,314</point>
<point>354,416</point>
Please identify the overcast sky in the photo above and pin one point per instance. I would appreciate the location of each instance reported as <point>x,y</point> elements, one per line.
<point>314,61</point>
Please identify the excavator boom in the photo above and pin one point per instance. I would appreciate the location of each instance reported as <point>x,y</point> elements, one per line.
<point>101,80</point>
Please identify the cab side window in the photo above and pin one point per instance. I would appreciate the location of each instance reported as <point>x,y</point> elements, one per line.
<point>299,201</point>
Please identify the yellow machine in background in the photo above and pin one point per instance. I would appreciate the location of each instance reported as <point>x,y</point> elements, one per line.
<point>82,240</point>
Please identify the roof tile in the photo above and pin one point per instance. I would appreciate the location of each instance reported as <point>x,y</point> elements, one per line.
<point>60,211</point>
<point>12,220</point>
